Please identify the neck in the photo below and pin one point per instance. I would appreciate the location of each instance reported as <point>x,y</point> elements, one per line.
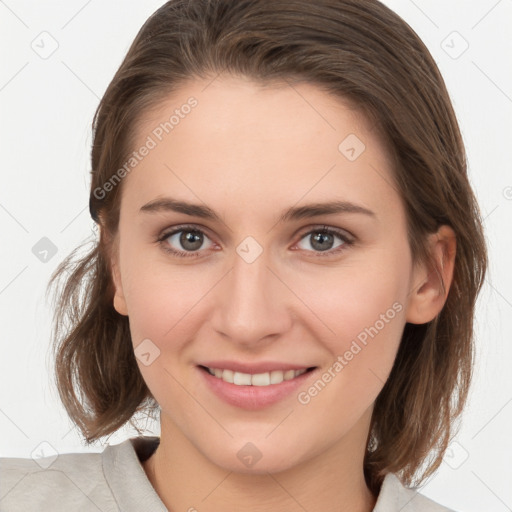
<point>186,480</point>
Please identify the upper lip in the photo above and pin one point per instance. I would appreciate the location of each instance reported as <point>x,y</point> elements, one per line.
<point>253,368</point>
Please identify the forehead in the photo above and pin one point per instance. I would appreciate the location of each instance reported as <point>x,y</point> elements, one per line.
<point>245,108</point>
<point>278,137</point>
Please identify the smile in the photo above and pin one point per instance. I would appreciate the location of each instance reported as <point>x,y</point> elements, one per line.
<point>257,379</point>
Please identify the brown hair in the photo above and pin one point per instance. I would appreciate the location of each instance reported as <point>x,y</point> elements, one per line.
<point>361,52</point>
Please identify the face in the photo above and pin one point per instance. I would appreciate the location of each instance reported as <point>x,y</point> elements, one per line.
<point>256,276</point>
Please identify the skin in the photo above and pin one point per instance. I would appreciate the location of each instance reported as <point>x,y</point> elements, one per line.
<point>249,152</point>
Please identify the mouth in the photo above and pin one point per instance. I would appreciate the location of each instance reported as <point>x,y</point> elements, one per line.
<point>255,379</point>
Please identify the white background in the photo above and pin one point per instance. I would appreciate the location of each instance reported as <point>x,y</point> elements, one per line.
<point>47,106</point>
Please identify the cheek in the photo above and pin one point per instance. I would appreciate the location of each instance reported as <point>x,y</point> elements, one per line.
<point>367,316</point>
<point>163,307</point>
<point>353,298</point>
<point>162,299</point>
<point>361,306</point>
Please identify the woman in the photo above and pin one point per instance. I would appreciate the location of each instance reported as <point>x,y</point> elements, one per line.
<point>289,258</point>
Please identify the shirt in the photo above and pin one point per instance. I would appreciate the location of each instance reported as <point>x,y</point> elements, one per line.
<point>115,481</point>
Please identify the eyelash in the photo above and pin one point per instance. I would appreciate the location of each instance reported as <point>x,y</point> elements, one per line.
<point>324,230</point>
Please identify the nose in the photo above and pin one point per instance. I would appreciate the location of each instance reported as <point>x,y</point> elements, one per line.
<point>253,306</point>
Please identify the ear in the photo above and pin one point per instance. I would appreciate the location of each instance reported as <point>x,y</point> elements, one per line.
<point>119,300</point>
<point>427,298</point>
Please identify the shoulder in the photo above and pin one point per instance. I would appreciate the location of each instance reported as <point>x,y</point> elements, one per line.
<point>70,481</point>
<point>394,497</point>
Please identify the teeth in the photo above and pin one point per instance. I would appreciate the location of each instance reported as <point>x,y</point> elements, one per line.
<point>257,379</point>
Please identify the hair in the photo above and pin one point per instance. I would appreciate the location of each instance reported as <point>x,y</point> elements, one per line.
<point>362,53</point>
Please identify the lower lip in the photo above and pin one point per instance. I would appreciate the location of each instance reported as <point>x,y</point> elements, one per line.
<point>253,397</point>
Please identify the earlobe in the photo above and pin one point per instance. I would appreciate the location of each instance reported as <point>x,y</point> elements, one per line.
<point>428,295</point>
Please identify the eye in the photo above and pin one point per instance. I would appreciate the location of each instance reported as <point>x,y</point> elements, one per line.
<point>188,241</point>
<point>189,238</point>
<point>322,240</point>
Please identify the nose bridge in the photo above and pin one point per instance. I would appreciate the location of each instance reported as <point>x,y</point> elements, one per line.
<point>251,305</point>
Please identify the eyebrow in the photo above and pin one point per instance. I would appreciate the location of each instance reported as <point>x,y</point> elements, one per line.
<point>291,214</point>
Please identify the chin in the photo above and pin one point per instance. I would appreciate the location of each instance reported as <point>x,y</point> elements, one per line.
<point>255,458</point>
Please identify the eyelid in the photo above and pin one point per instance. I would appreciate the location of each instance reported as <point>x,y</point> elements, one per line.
<point>328,228</point>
